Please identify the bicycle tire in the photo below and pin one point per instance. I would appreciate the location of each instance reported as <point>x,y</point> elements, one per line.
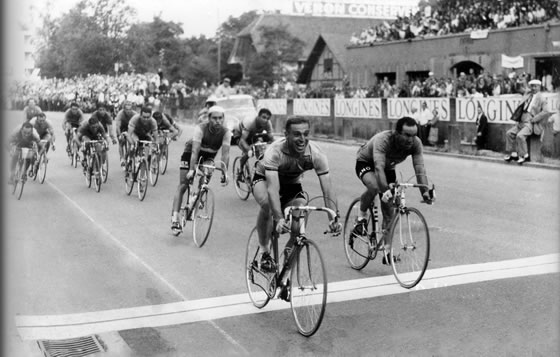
<point>308,288</point>
<point>105,168</point>
<point>75,155</point>
<point>356,249</point>
<point>142,179</point>
<point>154,170</point>
<point>42,168</point>
<point>409,247</point>
<point>89,171</point>
<point>129,177</point>
<point>256,281</point>
<point>16,177</point>
<point>163,159</point>
<point>203,216</point>
<point>32,165</point>
<point>96,172</point>
<point>242,188</point>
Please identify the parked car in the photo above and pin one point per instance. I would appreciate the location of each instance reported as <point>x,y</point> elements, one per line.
<point>237,108</point>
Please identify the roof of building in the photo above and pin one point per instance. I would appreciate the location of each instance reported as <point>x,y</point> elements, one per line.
<point>307,28</point>
<point>336,43</point>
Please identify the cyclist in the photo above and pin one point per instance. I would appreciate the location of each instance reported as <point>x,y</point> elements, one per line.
<point>277,181</point>
<point>208,138</point>
<point>24,137</point>
<point>203,113</point>
<point>91,130</point>
<point>104,117</point>
<point>163,123</point>
<point>73,118</point>
<point>248,130</point>
<point>31,110</point>
<point>45,130</point>
<point>141,127</point>
<point>121,126</point>
<point>375,167</point>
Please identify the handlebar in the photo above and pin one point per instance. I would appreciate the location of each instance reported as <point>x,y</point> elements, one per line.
<point>212,166</point>
<point>289,210</point>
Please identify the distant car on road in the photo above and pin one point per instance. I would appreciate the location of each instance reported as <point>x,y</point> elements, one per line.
<point>237,108</point>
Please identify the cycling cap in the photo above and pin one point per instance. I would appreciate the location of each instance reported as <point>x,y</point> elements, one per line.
<point>212,98</point>
<point>216,109</point>
<point>535,82</point>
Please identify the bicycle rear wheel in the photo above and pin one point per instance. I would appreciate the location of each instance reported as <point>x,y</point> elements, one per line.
<point>308,288</point>
<point>257,281</point>
<point>154,169</point>
<point>410,247</point>
<point>75,154</point>
<point>96,173</point>
<point>142,178</point>
<point>19,180</point>
<point>203,215</point>
<point>89,171</point>
<point>163,157</point>
<point>243,187</point>
<point>42,168</point>
<point>105,168</point>
<point>357,248</point>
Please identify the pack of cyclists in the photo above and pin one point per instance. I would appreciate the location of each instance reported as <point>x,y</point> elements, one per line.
<point>278,175</point>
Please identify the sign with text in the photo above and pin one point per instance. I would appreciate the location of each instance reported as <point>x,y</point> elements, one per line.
<point>312,107</point>
<point>498,110</point>
<point>402,107</point>
<point>358,108</point>
<point>276,106</point>
<point>375,9</point>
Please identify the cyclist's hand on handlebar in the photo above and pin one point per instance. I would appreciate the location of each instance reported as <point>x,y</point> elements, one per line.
<point>428,198</point>
<point>387,195</point>
<point>282,226</point>
<point>53,147</point>
<point>190,175</point>
<point>335,227</point>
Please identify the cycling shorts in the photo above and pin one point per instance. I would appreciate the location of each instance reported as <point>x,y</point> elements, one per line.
<point>186,158</point>
<point>363,167</point>
<point>288,192</point>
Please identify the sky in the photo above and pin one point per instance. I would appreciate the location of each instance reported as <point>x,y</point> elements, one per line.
<point>198,16</point>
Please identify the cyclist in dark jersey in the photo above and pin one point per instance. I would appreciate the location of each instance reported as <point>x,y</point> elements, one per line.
<point>104,117</point>
<point>91,130</point>
<point>121,126</point>
<point>25,137</point>
<point>73,118</point>
<point>208,138</point>
<point>44,128</point>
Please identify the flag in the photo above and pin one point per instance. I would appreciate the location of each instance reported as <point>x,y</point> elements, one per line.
<point>479,34</point>
<point>512,62</point>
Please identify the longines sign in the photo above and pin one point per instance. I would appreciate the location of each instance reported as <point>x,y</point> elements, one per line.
<point>340,8</point>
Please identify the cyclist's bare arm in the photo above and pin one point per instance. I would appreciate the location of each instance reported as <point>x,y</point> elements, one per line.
<point>420,171</point>
<point>273,190</point>
<point>194,155</point>
<point>243,141</point>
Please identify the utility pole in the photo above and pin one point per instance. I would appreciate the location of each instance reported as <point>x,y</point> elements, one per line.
<point>219,59</point>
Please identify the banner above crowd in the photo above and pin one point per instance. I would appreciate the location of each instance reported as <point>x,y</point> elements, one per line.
<point>341,8</point>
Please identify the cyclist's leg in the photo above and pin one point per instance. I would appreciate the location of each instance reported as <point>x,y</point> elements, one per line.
<point>264,220</point>
<point>83,150</point>
<point>366,174</point>
<point>13,163</point>
<point>181,188</point>
<point>388,210</point>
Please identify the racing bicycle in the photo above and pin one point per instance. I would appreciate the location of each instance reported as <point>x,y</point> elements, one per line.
<point>25,161</point>
<point>299,276</point>
<point>407,234</point>
<point>136,169</point>
<point>40,171</point>
<point>93,166</point>
<point>198,206</point>
<point>244,187</point>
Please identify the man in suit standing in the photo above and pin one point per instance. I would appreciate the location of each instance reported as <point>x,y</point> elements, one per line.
<point>481,129</point>
<point>534,112</point>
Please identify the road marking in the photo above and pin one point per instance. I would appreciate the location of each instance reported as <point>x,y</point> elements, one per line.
<point>75,325</point>
<point>144,264</point>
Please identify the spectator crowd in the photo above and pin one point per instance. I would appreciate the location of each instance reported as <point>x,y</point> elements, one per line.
<point>459,16</point>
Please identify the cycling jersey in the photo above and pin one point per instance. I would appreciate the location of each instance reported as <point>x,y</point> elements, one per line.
<point>163,123</point>
<point>137,126</point>
<point>30,113</point>
<point>381,151</point>
<point>290,169</point>
<point>20,141</point>
<point>95,132</point>
<point>74,119</point>
<point>43,128</point>
<point>123,118</point>
<point>254,127</point>
<point>105,118</point>
<point>209,141</point>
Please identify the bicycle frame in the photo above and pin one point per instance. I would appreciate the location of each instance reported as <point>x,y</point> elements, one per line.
<point>205,172</point>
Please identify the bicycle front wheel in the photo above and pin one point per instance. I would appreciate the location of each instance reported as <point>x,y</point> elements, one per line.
<point>19,180</point>
<point>75,154</point>
<point>243,187</point>
<point>142,178</point>
<point>89,171</point>
<point>203,215</point>
<point>42,168</point>
<point>154,170</point>
<point>96,173</point>
<point>257,281</point>
<point>356,247</point>
<point>129,177</point>
<point>410,247</point>
<point>163,157</point>
<point>308,288</point>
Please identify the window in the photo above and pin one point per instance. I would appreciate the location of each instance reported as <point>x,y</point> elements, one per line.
<point>327,65</point>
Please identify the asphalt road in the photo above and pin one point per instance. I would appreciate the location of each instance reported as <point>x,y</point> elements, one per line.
<point>72,256</point>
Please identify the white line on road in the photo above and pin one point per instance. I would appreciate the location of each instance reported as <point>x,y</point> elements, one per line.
<point>75,325</point>
<point>145,265</point>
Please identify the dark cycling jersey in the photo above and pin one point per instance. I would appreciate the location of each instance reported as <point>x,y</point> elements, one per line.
<point>43,128</point>
<point>136,126</point>
<point>94,132</point>
<point>105,118</point>
<point>74,119</point>
<point>123,118</point>
<point>209,141</point>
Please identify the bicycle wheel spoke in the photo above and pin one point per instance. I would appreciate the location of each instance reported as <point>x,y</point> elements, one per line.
<point>308,289</point>
<point>203,215</point>
<point>242,187</point>
<point>356,247</point>
<point>410,247</point>
<point>142,179</point>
